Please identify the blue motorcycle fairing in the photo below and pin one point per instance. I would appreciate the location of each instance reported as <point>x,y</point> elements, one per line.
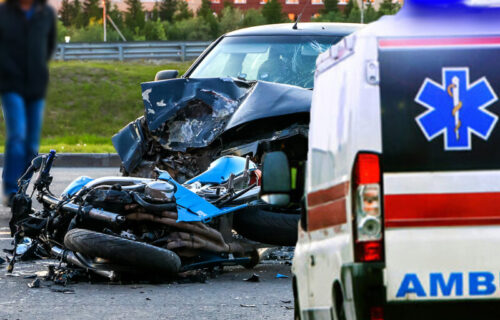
<point>76,185</point>
<point>220,170</point>
<point>191,207</point>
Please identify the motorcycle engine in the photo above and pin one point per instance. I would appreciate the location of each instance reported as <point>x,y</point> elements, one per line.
<point>113,199</point>
<point>159,191</point>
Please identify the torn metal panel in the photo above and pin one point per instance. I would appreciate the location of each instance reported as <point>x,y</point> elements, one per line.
<point>186,113</point>
<point>130,143</point>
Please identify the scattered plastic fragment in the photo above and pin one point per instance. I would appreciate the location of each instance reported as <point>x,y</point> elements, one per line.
<point>286,301</point>
<point>253,278</point>
<point>23,246</point>
<point>34,284</point>
<point>281,276</point>
<point>66,291</point>
<point>248,306</point>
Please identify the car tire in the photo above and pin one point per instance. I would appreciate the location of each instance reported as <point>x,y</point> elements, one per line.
<point>123,251</point>
<point>258,224</point>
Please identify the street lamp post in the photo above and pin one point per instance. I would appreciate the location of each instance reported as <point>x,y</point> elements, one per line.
<point>104,17</point>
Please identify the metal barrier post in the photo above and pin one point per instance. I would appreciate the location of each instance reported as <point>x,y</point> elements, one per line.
<point>183,52</point>
<point>120,52</point>
<point>61,56</point>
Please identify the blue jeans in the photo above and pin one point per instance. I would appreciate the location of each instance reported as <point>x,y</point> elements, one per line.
<point>23,119</point>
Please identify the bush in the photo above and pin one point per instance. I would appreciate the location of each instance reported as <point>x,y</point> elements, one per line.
<point>231,19</point>
<point>92,33</point>
<point>188,29</point>
<point>154,30</point>
<point>252,17</point>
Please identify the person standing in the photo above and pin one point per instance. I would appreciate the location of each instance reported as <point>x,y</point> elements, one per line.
<point>27,41</point>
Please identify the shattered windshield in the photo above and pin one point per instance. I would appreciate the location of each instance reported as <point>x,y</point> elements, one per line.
<point>281,59</point>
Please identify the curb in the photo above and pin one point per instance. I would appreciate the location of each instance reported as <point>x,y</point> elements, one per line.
<point>65,160</point>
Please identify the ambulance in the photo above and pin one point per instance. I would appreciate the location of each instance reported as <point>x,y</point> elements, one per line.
<point>402,199</point>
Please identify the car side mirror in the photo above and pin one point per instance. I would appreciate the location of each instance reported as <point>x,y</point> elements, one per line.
<point>275,188</point>
<point>166,75</point>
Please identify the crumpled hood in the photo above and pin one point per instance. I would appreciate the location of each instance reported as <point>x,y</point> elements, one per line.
<point>192,113</point>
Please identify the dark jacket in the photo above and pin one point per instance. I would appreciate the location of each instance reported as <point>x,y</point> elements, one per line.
<point>25,49</point>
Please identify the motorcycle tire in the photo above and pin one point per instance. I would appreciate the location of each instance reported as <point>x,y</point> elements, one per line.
<point>122,251</point>
<point>266,226</point>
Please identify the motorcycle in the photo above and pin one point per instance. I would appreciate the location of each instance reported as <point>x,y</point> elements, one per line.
<point>115,226</point>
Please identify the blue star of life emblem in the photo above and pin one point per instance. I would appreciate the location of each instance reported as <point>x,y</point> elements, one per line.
<point>456,109</point>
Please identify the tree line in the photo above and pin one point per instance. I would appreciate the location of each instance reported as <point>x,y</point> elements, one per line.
<point>173,20</point>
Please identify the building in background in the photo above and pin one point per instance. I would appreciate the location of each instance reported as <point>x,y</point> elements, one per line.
<point>147,5</point>
<point>292,8</point>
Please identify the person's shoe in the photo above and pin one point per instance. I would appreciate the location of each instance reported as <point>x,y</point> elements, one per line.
<point>8,199</point>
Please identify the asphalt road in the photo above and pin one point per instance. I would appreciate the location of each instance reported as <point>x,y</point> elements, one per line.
<point>224,297</point>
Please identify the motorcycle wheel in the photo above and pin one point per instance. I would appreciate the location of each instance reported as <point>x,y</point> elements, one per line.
<point>123,251</point>
<point>267,226</point>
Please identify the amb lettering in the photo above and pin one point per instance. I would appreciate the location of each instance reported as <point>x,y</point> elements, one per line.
<point>479,284</point>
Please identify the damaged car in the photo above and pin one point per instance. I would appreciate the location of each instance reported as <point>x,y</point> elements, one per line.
<point>248,94</point>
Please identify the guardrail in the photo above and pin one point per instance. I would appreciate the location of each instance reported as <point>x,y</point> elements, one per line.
<point>130,50</point>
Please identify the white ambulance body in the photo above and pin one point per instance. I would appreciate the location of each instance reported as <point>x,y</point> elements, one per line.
<point>403,173</point>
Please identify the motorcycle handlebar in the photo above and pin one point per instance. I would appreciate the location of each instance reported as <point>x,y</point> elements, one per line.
<point>97,214</point>
<point>49,162</point>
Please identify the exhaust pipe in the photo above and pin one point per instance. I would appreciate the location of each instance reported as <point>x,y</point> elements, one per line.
<point>70,257</point>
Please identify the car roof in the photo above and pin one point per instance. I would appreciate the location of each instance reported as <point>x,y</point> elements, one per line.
<point>303,29</point>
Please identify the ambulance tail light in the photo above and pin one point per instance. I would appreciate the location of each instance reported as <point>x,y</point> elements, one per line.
<point>367,205</point>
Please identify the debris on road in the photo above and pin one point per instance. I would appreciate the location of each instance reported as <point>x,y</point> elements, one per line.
<point>65,291</point>
<point>248,306</point>
<point>34,284</point>
<point>281,276</point>
<point>253,278</point>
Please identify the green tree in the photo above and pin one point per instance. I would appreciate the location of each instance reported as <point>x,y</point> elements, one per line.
<point>91,10</point>
<point>66,13</point>
<point>168,9</point>
<point>77,16</point>
<point>134,16</point>
<point>272,12</point>
<point>155,14</point>
<point>354,13</point>
<point>370,14</point>
<point>348,8</point>
<point>116,15</point>
<point>205,9</point>
<point>330,6</point>
<point>183,11</point>
<point>205,12</point>
<point>388,7</point>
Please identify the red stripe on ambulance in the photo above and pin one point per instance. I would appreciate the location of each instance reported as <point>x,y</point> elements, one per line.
<point>447,209</point>
<point>327,207</point>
